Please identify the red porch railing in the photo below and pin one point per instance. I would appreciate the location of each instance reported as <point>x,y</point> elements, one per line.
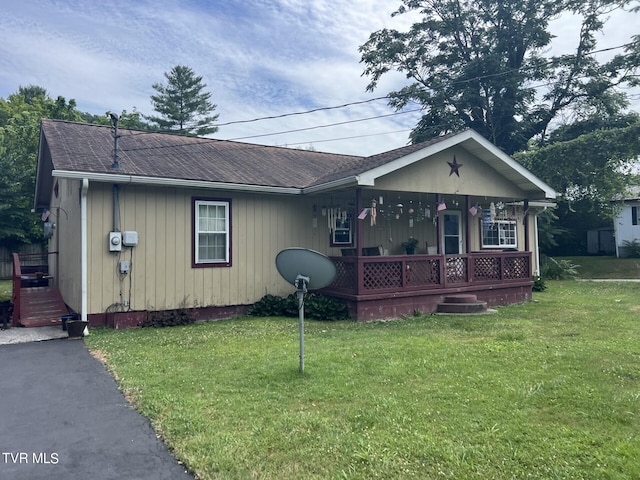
<point>366,275</point>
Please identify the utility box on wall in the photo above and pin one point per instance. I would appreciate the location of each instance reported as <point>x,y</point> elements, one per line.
<point>115,241</point>
<point>130,238</point>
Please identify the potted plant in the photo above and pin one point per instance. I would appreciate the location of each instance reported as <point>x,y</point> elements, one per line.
<point>410,245</point>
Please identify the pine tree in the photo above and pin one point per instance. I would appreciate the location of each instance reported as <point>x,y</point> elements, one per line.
<point>183,106</point>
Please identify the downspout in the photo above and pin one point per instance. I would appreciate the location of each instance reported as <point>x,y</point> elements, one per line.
<point>535,236</point>
<point>116,207</point>
<point>83,250</point>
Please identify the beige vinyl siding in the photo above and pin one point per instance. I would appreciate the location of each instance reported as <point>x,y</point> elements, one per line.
<point>162,275</point>
<point>432,175</point>
<point>65,265</point>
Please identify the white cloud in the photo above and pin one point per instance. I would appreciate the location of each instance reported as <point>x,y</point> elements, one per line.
<point>258,58</point>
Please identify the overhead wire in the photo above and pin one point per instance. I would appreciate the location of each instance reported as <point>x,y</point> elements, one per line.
<point>359,102</point>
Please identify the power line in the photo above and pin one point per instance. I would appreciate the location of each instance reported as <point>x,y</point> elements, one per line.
<point>350,138</point>
<point>387,97</point>
<point>327,125</point>
<point>319,109</point>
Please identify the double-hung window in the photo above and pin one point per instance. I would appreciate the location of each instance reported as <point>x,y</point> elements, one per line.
<point>212,233</point>
<point>499,234</point>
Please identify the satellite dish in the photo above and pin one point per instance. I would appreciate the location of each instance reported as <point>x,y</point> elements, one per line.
<point>294,262</point>
<point>306,270</point>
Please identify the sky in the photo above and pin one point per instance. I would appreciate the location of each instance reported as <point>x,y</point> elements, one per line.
<point>258,58</point>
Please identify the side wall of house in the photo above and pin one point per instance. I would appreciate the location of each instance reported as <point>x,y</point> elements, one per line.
<point>162,276</point>
<point>65,266</point>
<point>625,230</point>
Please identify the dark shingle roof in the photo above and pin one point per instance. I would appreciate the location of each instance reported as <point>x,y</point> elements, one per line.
<point>89,148</point>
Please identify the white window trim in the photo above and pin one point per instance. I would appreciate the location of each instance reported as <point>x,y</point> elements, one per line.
<point>501,235</point>
<point>197,232</point>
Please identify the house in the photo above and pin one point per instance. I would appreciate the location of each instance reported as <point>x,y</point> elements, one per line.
<point>626,221</point>
<point>148,222</point>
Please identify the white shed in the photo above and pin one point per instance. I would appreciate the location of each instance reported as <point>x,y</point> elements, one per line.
<point>626,222</point>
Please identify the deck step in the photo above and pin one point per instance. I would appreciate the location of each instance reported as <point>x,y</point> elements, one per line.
<point>41,306</point>
<point>461,304</point>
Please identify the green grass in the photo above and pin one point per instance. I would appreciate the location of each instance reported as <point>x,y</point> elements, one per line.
<point>544,390</point>
<point>6,288</point>
<point>606,267</point>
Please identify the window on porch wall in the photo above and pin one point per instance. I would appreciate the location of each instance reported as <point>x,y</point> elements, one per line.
<point>499,234</point>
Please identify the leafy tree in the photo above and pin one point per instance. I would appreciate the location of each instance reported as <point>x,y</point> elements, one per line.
<point>588,163</point>
<point>133,120</point>
<point>183,106</point>
<point>479,64</point>
<point>20,117</point>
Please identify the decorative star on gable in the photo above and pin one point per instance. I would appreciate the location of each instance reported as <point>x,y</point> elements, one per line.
<point>455,166</point>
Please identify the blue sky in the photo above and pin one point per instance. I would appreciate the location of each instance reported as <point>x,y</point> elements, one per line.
<point>258,58</point>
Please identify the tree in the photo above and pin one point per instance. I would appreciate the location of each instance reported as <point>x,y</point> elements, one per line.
<point>588,163</point>
<point>20,117</point>
<point>133,120</point>
<point>183,106</point>
<point>481,64</point>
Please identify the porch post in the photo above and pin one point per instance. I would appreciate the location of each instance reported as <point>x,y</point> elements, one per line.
<point>468,224</point>
<point>358,242</point>
<point>527,244</point>
<point>438,225</point>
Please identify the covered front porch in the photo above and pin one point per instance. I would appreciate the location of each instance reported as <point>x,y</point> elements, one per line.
<point>464,244</point>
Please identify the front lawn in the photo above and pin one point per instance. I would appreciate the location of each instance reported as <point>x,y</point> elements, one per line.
<point>544,390</point>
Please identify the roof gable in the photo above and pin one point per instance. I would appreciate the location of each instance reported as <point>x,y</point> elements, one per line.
<point>366,171</point>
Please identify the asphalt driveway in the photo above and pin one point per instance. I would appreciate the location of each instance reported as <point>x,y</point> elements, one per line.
<point>63,417</point>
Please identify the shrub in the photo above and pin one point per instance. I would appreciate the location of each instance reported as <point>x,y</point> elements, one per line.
<point>316,307</point>
<point>269,306</point>
<point>631,248</point>
<point>322,307</point>
<point>169,318</point>
<point>553,269</point>
<point>538,284</point>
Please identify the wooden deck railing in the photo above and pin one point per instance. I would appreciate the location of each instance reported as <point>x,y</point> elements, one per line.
<point>366,275</point>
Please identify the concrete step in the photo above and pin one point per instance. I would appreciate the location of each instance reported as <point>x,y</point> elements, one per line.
<point>460,298</point>
<point>462,308</point>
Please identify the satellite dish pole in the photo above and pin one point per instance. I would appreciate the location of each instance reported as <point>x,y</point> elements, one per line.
<point>306,270</point>
<point>301,284</point>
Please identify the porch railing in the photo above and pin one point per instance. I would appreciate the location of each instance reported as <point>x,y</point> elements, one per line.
<point>366,275</point>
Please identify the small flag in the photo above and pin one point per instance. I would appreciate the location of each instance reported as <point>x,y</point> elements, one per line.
<point>45,215</point>
<point>442,206</point>
<point>474,210</point>
<point>363,214</point>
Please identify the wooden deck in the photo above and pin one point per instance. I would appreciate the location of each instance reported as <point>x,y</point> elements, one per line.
<point>391,286</point>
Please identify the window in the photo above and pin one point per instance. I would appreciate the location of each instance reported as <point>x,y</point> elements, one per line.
<point>634,215</point>
<point>341,235</point>
<point>500,233</point>
<point>211,233</point>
